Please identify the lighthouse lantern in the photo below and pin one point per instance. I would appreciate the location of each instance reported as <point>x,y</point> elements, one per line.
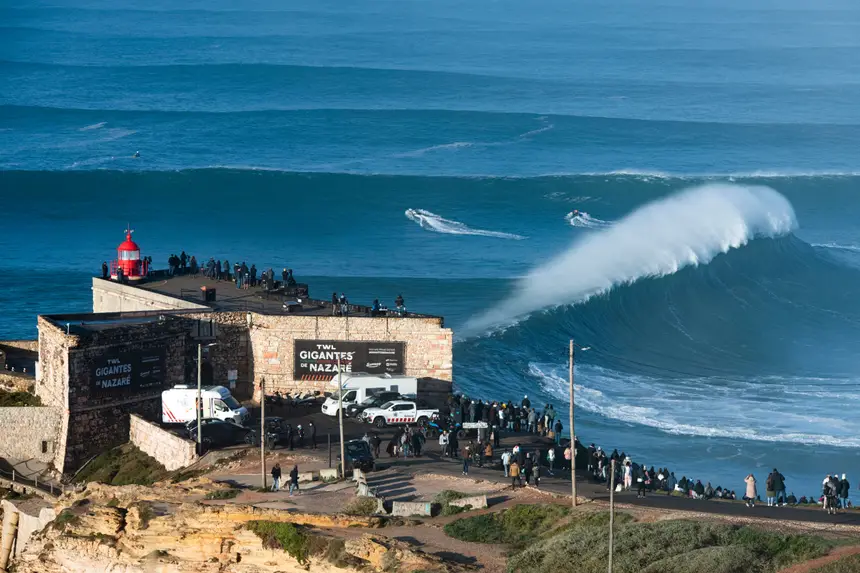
<point>128,264</point>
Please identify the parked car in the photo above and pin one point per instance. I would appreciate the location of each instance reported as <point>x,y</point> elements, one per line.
<point>358,455</point>
<point>216,433</point>
<point>355,410</point>
<point>398,412</point>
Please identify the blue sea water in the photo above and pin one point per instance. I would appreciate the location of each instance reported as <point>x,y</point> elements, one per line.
<point>437,149</point>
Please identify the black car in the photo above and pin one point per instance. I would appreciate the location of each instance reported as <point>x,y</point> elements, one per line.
<point>353,410</point>
<point>358,455</point>
<point>217,433</point>
<point>278,431</point>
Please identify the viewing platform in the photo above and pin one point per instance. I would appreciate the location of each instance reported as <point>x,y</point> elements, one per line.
<point>200,292</point>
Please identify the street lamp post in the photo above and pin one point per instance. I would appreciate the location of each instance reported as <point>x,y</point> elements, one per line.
<point>200,347</point>
<point>573,345</point>
<point>340,417</point>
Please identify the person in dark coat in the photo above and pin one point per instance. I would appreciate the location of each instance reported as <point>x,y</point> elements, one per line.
<point>844,491</point>
<point>294,479</point>
<point>104,270</point>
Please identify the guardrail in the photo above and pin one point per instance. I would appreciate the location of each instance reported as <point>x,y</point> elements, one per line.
<point>15,480</point>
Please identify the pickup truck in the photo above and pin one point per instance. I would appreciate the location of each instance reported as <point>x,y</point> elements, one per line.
<point>397,412</point>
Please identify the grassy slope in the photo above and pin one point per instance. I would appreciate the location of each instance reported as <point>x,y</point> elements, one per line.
<point>543,541</point>
<point>123,465</point>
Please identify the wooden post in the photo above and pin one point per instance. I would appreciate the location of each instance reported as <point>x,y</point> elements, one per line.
<point>611,512</point>
<point>263,432</point>
<point>572,440</point>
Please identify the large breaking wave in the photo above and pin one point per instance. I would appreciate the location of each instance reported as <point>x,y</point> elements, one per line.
<point>689,228</point>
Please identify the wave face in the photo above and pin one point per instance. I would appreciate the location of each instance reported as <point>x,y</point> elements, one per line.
<point>438,224</point>
<point>688,228</point>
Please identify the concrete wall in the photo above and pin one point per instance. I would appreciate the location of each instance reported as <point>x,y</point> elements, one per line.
<point>429,347</point>
<point>170,450</point>
<point>22,431</point>
<point>109,296</point>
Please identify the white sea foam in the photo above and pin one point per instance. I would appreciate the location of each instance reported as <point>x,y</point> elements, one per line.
<point>432,148</point>
<point>688,228</point>
<point>583,219</point>
<point>537,131</point>
<point>434,222</point>
<point>838,247</point>
<point>98,125</point>
<point>685,407</point>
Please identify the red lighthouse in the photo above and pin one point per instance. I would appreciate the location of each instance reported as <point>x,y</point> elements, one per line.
<point>128,264</point>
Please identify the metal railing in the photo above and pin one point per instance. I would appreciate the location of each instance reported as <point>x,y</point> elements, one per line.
<point>16,478</point>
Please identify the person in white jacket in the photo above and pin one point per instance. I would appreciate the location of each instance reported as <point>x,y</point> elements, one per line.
<point>443,442</point>
<point>506,462</point>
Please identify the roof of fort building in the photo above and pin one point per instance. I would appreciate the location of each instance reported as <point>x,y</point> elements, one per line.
<point>227,297</point>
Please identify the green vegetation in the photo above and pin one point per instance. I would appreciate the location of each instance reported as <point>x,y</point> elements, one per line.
<point>223,493</point>
<point>444,498</point>
<point>850,564</point>
<point>145,512</point>
<point>66,517</point>
<point>675,546</point>
<point>517,526</point>
<point>302,544</point>
<point>112,502</point>
<point>363,506</point>
<point>13,495</point>
<point>286,536</point>
<point>123,465</point>
<point>16,399</point>
<point>184,475</point>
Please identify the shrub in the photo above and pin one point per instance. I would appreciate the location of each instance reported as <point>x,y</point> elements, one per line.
<point>66,517</point>
<point>124,465</point>
<point>285,536</point>
<point>364,506</point>
<point>144,510</point>
<point>112,502</point>
<point>444,498</point>
<point>517,526</point>
<point>183,475</point>
<point>223,494</point>
<point>17,399</point>
<point>674,546</point>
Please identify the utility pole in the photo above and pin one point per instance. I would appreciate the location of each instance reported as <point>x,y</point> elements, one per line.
<point>611,512</point>
<point>199,398</point>
<point>200,395</point>
<point>263,432</point>
<point>340,417</point>
<point>572,440</point>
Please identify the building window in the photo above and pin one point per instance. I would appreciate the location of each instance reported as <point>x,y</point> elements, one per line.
<point>44,446</point>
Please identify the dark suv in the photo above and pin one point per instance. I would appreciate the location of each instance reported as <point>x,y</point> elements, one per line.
<point>217,433</point>
<point>358,455</point>
<point>354,410</point>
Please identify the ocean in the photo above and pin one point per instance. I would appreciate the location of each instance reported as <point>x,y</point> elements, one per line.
<point>440,150</point>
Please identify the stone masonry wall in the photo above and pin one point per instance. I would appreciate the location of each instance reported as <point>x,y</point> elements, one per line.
<point>91,423</point>
<point>429,347</point>
<point>232,352</point>
<point>109,296</point>
<point>15,381</point>
<point>170,450</point>
<point>25,429</point>
<point>29,345</point>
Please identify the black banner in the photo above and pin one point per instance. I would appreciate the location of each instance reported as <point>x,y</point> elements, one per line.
<point>134,371</point>
<point>317,359</point>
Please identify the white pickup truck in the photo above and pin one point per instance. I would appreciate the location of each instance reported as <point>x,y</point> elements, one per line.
<point>397,412</point>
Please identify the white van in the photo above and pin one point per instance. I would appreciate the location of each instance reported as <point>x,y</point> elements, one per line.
<point>357,387</point>
<point>177,405</point>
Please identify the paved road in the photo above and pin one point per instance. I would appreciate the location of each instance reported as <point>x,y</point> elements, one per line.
<point>559,484</point>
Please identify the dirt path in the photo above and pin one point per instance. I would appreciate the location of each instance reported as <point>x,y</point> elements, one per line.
<point>812,565</point>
